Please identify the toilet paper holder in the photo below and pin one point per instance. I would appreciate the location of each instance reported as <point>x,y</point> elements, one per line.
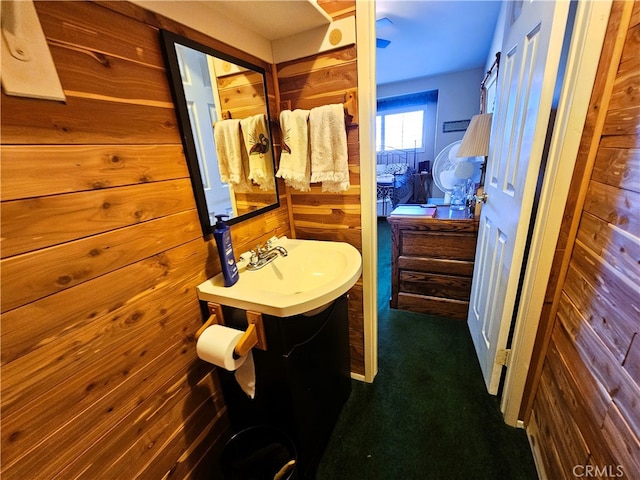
<point>254,336</point>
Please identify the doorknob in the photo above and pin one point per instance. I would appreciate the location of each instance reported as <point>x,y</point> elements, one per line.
<point>482,198</point>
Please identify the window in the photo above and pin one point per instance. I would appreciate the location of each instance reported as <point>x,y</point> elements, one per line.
<point>400,122</point>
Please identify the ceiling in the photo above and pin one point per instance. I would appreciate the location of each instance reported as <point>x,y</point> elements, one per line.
<point>428,37</point>
<point>433,37</point>
<point>267,18</point>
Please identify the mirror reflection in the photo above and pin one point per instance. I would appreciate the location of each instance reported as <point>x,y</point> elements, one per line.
<point>223,110</point>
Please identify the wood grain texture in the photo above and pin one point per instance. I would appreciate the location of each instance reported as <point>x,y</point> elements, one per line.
<point>432,263</point>
<point>41,222</point>
<point>631,362</point>
<point>590,380</point>
<point>76,308</point>
<point>618,167</point>
<point>435,285</point>
<point>442,307</point>
<point>49,270</point>
<point>86,120</point>
<point>621,388</point>
<point>436,265</point>
<point>90,26</point>
<point>614,205</point>
<point>310,82</point>
<point>101,254</point>
<point>37,171</point>
<point>558,425</point>
<point>583,398</point>
<point>435,244</point>
<point>608,65</point>
<point>617,248</point>
<point>624,121</point>
<point>623,440</point>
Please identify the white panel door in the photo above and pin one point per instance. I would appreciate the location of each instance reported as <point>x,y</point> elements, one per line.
<point>527,75</point>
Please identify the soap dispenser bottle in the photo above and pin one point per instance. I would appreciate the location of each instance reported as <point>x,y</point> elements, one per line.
<point>222,234</point>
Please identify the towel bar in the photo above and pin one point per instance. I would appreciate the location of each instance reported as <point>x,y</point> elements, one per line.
<point>350,105</point>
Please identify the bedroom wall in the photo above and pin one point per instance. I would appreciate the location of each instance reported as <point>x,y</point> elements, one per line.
<point>101,253</point>
<point>458,99</point>
<point>498,35</point>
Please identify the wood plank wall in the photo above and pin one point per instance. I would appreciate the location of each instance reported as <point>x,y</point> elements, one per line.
<point>101,252</point>
<point>585,416</point>
<point>310,82</point>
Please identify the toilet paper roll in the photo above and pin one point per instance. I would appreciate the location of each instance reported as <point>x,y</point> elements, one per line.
<point>216,345</point>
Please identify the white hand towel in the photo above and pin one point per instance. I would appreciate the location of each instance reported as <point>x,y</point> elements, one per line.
<point>232,158</point>
<point>328,144</point>
<point>258,146</point>
<point>295,166</point>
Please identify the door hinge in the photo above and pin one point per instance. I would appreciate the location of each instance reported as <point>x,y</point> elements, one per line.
<point>502,356</point>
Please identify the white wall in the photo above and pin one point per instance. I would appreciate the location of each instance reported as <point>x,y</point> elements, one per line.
<point>458,99</point>
<point>496,44</point>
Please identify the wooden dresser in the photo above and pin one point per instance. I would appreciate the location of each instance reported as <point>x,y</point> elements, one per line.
<point>432,260</point>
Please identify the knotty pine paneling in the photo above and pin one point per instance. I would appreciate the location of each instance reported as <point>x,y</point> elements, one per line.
<point>615,205</point>
<point>62,218</point>
<point>310,82</point>
<point>38,171</point>
<point>557,424</point>
<point>101,253</point>
<point>239,94</point>
<point>619,167</point>
<point>242,95</point>
<point>50,270</point>
<point>586,390</point>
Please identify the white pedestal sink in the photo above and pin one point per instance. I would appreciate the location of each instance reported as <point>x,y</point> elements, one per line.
<point>313,274</point>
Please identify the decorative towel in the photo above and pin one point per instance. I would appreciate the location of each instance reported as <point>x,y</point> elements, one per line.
<point>328,144</point>
<point>258,146</point>
<point>232,157</point>
<point>295,166</point>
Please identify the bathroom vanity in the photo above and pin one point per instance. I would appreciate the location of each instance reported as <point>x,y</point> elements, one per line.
<point>302,379</point>
<point>432,260</point>
<point>302,364</point>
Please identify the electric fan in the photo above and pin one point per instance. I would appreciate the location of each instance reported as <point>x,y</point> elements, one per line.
<point>449,170</point>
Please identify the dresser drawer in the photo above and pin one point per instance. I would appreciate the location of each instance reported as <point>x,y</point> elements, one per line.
<point>455,246</point>
<point>444,266</point>
<point>432,262</point>
<point>435,285</point>
<point>442,307</point>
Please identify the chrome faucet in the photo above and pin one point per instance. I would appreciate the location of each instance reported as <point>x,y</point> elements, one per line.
<point>262,256</point>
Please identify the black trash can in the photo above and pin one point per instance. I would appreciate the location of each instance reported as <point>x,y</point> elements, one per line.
<point>259,453</point>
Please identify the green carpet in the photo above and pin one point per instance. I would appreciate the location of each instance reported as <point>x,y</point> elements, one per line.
<point>427,415</point>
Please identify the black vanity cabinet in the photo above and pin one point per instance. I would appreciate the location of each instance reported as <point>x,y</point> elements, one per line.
<point>302,379</point>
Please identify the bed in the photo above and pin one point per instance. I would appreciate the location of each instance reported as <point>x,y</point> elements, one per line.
<point>395,171</point>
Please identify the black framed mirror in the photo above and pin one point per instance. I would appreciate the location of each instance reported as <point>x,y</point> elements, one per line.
<point>232,172</point>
